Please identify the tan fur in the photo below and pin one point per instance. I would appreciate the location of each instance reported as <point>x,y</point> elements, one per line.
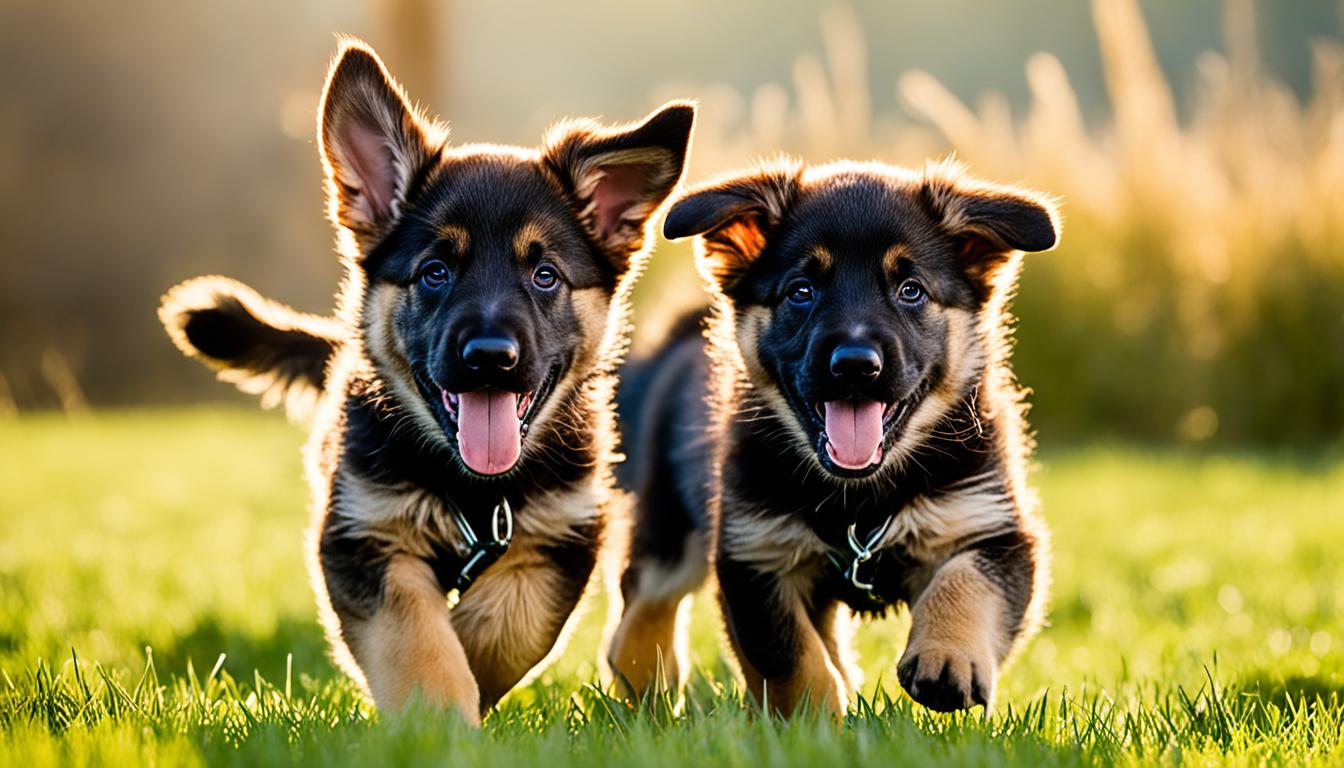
<point>629,230</point>
<point>835,625</point>
<point>510,622</point>
<point>531,232</point>
<point>459,236</point>
<point>747,333</point>
<point>661,582</point>
<point>647,653</point>
<point>409,645</point>
<point>814,681</point>
<point>592,307</point>
<point>650,642</point>
<point>509,617</point>
<point>823,257</point>
<point>959,617</point>
<point>930,528</point>
<point>893,256</point>
<point>966,358</point>
<point>516,616</point>
<point>735,244</point>
<point>408,520</point>
<point>769,543</point>
<point>385,350</point>
<point>553,517</point>
<point>726,252</point>
<point>957,622</point>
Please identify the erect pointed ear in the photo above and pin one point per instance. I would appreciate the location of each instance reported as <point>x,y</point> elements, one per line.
<point>620,176</point>
<point>736,216</point>
<point>373,143</point>
<point>990,221</point>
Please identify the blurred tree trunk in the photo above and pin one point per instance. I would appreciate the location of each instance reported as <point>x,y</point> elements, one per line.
<point>415,49</point>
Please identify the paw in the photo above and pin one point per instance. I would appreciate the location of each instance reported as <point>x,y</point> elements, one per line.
<point>946,678</point>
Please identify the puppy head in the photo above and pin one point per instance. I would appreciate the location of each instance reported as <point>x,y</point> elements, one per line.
<point>862,295</point>
<point>488,271</point>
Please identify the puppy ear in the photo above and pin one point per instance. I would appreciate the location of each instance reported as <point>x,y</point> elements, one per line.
<point>620,176</point>
<point>373,143</point>
<point>990,221</point>
<point>735,216</point>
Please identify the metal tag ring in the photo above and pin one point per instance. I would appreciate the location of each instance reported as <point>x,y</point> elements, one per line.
<point>504,513</point>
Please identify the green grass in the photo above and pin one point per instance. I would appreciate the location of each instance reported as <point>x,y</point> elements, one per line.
<point>1196,618</point>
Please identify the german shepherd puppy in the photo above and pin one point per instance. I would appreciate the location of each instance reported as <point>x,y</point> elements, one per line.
<point>847,437</point>
<point>462,435</point>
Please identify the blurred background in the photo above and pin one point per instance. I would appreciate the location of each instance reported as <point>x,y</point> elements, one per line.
<point>1198,147</point>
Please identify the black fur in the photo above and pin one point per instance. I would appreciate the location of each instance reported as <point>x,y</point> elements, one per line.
<point>856,236</point>
<point>229,332</point>
<point>468,269</point>
<point>663,410</point>
<point>264,347</point>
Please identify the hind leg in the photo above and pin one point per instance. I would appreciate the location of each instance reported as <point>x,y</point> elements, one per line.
<point>668,561</point>
<point>835,625</point>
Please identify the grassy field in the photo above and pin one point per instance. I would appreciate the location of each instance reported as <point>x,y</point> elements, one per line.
<point>1196,619</point>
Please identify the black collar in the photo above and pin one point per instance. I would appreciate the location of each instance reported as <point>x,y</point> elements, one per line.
<point>484,547</point>
<point>857,576</point>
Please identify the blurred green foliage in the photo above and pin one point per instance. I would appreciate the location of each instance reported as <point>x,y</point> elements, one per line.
<point>1197,147</point>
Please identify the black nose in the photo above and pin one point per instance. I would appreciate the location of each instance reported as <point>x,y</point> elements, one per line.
<point>856,363</point>
<point>490,352</point>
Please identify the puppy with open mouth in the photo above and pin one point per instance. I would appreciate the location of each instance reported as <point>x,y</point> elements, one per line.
<point>846,437</point>
<point>462,432</point>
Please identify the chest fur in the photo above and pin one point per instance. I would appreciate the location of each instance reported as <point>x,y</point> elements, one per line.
<point>414,521</point>
<point>922,534</point>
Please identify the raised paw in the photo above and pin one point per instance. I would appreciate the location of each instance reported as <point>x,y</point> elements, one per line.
<point>947,678</point>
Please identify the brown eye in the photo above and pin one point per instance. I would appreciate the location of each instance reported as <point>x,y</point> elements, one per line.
<point>546,276</point>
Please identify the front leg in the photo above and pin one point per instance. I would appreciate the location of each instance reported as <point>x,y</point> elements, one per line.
<point>965,622</point>
<point>406,645</point>
<point>513,616</point>
<point>781,653</point>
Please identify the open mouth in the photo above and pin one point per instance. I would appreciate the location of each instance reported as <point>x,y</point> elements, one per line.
<point>854,432</point>
<point>490,423</point>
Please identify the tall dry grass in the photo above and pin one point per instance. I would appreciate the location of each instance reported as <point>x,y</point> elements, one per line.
<point>1199,289</point>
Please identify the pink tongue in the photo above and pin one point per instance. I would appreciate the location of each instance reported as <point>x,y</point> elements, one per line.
<point>488,430</point>
<point>854,432</point>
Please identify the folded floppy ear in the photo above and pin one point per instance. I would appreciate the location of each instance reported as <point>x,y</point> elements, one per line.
<point>619,176</point>
<point>989,221</point>
<point>735,216</point>
<point>373,143</point>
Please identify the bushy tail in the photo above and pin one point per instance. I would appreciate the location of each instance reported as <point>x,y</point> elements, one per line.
<point>263,347</point>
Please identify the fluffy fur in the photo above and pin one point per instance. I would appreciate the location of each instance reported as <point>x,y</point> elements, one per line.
<point>811,269</point>
<point>497,271</point>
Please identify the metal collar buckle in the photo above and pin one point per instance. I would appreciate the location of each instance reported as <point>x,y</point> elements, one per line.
<point>863,553</point>
<point>483,554</point>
